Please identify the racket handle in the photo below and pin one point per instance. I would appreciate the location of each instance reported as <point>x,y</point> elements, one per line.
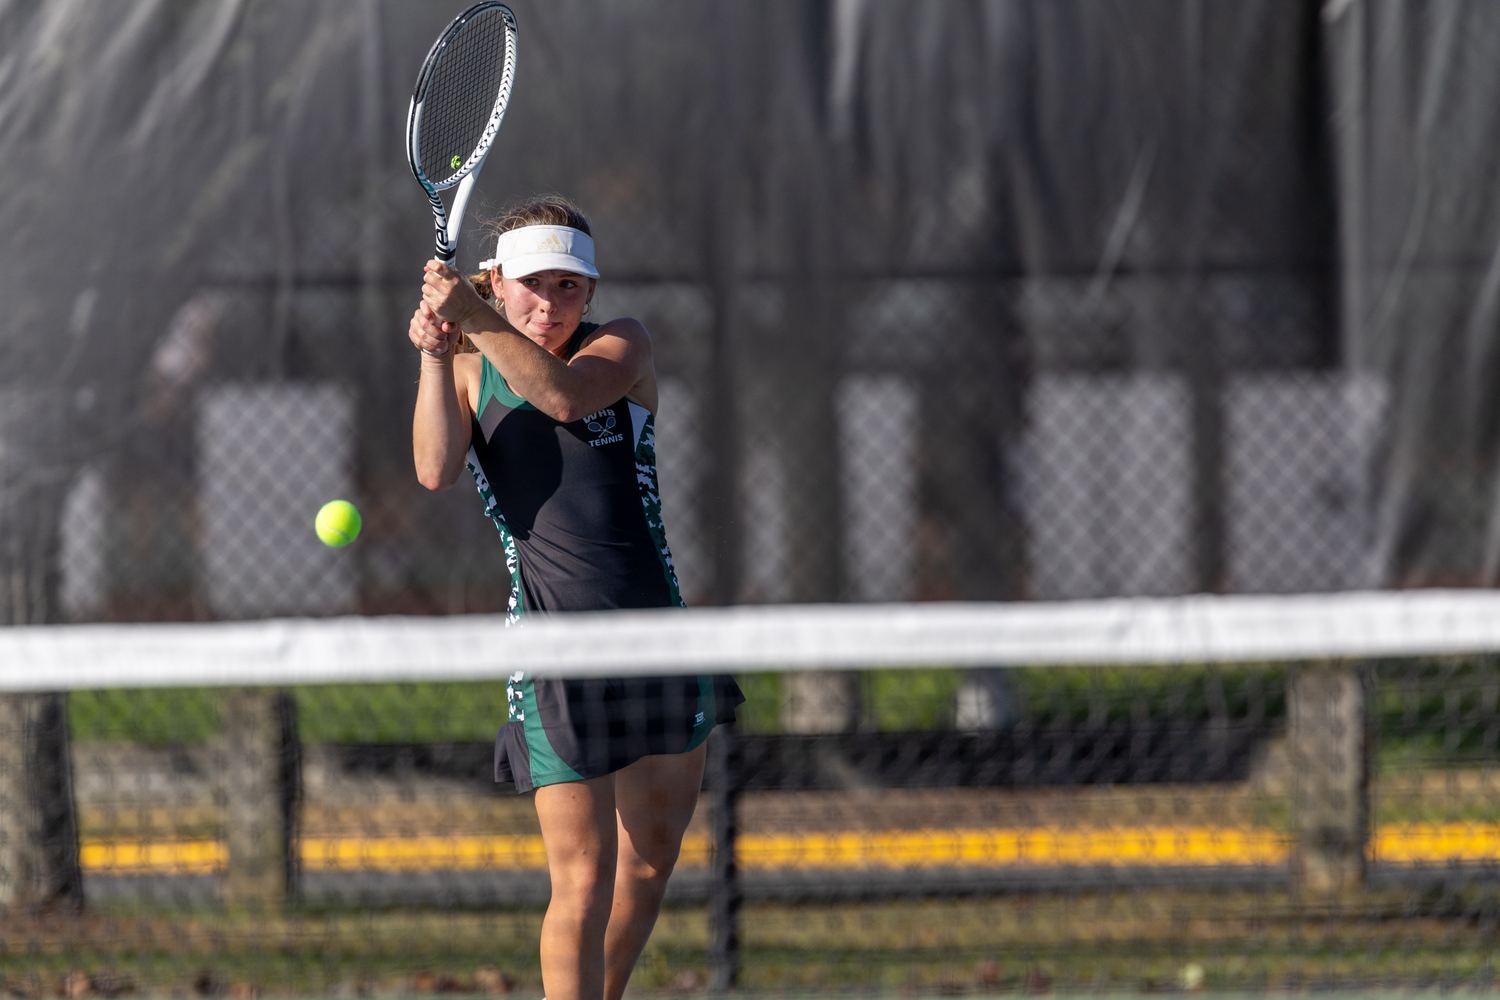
<point>449,223</point>
<point>447,250</point>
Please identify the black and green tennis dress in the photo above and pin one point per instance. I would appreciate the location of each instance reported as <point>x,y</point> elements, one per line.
<point>580,517</point>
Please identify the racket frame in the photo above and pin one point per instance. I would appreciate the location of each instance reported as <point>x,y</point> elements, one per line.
<point>448,222</point>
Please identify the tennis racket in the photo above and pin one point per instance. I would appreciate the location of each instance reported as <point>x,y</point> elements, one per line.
<point>456,110</point>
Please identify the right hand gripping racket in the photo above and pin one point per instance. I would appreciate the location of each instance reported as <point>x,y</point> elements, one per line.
<point>456,110</point>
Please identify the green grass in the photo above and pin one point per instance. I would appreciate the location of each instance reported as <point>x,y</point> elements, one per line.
<point>891,700</point>
<point>401,713</point>
<point>1430,713</point>
<point>439,712</point>
<point>900,700</point>
<point>761,712</point>
<point>1078,695</point>
<point>365,713</point>
<point>152,716</point>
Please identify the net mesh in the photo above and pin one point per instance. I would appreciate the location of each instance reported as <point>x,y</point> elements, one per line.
<point>1230,827</point>
<point>461,93</point>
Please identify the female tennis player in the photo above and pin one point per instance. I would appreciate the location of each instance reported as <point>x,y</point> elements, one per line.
<point>553,417</point>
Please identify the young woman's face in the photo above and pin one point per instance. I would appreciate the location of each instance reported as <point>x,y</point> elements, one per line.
<point>546,306</point>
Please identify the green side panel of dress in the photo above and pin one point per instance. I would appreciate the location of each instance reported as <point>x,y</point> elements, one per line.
<point>645,477</point>
<point>547,767</point>
<point>515,611</point>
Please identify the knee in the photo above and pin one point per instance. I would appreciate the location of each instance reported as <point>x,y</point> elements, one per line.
<point>585,883</point>
<point>651,867</point>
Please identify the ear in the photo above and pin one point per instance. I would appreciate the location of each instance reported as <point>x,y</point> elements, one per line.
<point>593,284</point>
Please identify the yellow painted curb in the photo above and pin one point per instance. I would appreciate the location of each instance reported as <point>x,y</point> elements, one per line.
<point>1030,847</point>
<point>1039,847</point>
<point>1436,843</point>
<point>423,853</point>
<point>168,857</point>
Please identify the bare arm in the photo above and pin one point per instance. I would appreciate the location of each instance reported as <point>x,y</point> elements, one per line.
<point>444,412</point>
<point>615,360</point>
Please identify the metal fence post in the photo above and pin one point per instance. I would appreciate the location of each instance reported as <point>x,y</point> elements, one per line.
<point>820,701</point>
<point>724,891</point>
<point>39,860</point>
<point>1328,744</point>
<point>290,789</point>
<point>258,812</point>
<point>39,857</point>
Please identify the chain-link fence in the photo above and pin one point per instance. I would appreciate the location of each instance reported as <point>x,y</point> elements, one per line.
<point>991,300</point>
<point>885,478</point>
<point>1054,318</point>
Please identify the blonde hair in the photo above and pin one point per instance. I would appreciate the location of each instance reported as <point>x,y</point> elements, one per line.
<point>549,210</point>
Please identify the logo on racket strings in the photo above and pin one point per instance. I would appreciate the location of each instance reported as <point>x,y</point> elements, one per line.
<point>456,162</point>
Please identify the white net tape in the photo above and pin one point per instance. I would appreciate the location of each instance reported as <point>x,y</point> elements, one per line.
<point>799,637</point>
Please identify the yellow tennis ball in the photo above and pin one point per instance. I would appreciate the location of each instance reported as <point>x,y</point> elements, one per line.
<point>338,523</point>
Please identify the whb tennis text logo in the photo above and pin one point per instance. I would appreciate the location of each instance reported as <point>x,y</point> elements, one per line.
<point>602,423</point>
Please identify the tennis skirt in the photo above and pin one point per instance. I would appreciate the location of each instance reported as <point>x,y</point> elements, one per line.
<point>572,730</point>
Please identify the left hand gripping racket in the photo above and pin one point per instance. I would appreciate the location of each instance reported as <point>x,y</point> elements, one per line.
<point>456,110</point>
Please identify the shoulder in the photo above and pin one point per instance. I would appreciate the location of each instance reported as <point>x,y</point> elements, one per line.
<point>632,331</point>
<point>468,366</point>
<point>468,372</point>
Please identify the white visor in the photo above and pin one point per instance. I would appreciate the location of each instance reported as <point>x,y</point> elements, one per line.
<point>543,248</point>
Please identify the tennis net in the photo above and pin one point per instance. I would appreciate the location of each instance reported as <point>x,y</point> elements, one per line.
<point>1203,792</point>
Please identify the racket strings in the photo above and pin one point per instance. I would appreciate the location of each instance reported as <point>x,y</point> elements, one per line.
<point>461,96</point>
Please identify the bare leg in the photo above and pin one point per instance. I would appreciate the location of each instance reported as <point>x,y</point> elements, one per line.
<point>579,831</point>
<point>654,799</point>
